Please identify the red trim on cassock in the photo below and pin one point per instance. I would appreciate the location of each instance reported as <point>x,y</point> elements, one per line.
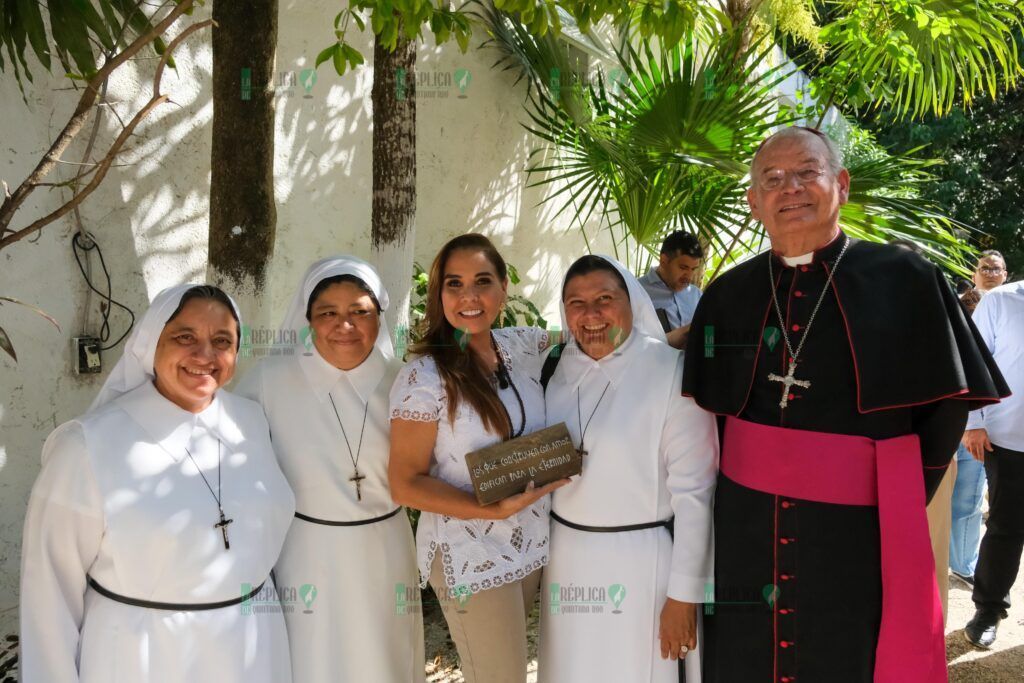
<point>856,370</point>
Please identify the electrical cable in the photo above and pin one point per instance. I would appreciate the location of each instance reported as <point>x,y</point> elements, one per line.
<point>79,242</point>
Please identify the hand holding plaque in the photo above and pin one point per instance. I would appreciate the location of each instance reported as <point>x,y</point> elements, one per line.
<point>504,470</point>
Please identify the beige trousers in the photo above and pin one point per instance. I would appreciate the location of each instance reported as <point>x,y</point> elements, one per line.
<point>489,628</point>
<point>940,520</point>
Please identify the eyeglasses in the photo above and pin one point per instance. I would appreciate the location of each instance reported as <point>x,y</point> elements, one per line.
<point>777,177</point>
<point>990,271</point>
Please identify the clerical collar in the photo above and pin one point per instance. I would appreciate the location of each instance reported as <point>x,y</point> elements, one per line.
<point>170,425</point>
<point>814,259</point>
<point>801,260</point>
<point>323,377</point>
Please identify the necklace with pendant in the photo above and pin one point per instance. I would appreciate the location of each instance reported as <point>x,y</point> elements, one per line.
<point>789,379</point>
<point>223,523</point>
<point>356,477</point>
<point>504,379</point>
<point>579,417</point>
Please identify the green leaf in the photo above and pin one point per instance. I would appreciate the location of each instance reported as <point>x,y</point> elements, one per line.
<point>338,56</point>
<point>72,37</point>
<point>352,55</point>
<point>325,54</point>
<point>31,19</point>
<point>95,23</point>
<point>462,38</point>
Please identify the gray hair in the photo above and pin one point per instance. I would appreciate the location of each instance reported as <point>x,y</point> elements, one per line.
<point>991,253</point>
<point>834,154</point>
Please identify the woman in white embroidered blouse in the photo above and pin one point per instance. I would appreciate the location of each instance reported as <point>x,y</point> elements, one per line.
<point>468,388</point>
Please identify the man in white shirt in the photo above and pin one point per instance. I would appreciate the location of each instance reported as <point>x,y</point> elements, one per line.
<point>995,436</point>
<point>969,489</point>
<point>670,285</point>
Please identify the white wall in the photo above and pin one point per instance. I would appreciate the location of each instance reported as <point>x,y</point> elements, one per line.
<point>150,216</point>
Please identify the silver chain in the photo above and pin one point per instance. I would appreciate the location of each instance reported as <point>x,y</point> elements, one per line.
<point>778,311</point>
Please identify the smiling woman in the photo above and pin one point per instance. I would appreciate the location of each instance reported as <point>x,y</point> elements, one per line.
<point>471,387</point>
<point>151,511</point>
<point>344,315</point>
<point>328,414</point>
<point>197,349</point>
<point>638,520</point>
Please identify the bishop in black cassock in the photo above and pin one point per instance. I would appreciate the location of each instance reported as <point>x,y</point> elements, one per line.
<point>823,570</point>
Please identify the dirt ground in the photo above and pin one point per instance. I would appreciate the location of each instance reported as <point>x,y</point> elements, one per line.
<point>1004,663</point>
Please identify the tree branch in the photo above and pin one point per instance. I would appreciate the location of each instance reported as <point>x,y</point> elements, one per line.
<point>115,148</point>
<point>81,114</point>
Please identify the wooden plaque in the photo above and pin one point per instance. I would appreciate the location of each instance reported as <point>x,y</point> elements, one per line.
<point>504,469</point>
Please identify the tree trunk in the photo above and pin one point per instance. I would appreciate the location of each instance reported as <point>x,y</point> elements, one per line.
<point>393,221</point>
<point>243,216</point>
<point>739,12</point>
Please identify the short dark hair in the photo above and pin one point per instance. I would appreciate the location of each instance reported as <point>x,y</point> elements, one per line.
<point>680,242</point>
<point>209,293</point>
<point>334,280</point>
<point>585,265</point>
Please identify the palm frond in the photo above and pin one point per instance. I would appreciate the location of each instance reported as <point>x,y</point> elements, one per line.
<point>920,56</point>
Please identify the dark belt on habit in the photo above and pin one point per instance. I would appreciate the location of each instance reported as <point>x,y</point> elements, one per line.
<point>667,523</point>
<point>172,606</point>
<point>361,522</point>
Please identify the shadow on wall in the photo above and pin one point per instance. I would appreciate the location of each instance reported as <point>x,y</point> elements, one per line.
<point>149,217</point>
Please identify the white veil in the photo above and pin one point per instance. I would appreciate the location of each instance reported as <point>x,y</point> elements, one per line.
<point>645,320</point>
<point>136,364</point>
<point>295,318</point>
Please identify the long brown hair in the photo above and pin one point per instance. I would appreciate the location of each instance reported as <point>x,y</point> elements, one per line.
<point>463,375</point>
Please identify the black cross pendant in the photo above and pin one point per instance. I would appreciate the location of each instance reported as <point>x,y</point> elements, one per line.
<point>358,479</point>
<point>223,526</point>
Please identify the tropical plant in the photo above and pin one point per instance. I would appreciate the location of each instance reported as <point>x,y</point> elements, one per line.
<point>399,26</point>
<point>654,144</point>
<point>916,56</point>
<point>667,146</point>
<point>80,34</point>
<point>985,187</point>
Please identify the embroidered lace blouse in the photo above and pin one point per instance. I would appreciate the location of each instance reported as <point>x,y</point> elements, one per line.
<point>477,554</point>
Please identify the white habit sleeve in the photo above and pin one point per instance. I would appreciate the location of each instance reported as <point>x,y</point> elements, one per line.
<point>63,530</point>
<point>689,446</point>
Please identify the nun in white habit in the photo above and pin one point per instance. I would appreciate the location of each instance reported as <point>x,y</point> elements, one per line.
<point>631,537</point>
<point>155,515</point>
<point>328,411</point>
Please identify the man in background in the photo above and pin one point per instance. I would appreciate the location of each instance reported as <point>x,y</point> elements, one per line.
<point>670,285</point>
<point>995,437</point>
<point>969,491</point>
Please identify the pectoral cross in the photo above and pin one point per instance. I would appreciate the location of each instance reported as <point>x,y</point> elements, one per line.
<point>223,526</point>
<point>358,479</point>
<point>788,381</point>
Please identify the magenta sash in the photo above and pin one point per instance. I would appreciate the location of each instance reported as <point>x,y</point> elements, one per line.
<point>856,470</point>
